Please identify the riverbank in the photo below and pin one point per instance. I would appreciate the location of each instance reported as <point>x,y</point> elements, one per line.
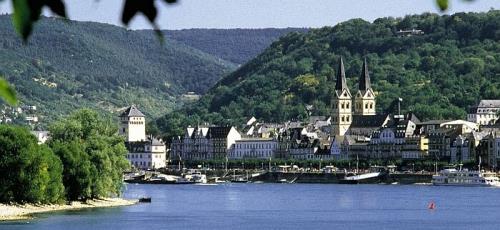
<point>20,212</point>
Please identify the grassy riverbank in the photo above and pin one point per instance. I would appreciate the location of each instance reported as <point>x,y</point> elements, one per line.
<point>19,212</point>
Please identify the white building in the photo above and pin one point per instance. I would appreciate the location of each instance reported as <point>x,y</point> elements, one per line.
<point>148,154</point>
<point>256,148</point>
<point>463,126</point>
<point>485,113</point>
<point>143,152</point>
<point>133,124</point>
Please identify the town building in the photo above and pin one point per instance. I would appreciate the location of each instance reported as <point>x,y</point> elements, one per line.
<point>489,151</point>
<point>148,154</point>
<point>254,148</point>
<point>144,152</point>
<point>408,33</point>
<point>203,143</point>
<point>485,113</point>
<point>133,125</point>
<point>460,150</point>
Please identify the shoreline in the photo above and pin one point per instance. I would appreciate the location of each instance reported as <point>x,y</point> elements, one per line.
<point>21,212</point>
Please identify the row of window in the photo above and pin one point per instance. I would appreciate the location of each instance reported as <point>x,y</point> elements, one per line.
<point>254,146</point>
<point>134,156</point>
<point>253,154</point>
<point>367,105</point>
<point>346,118</point>
<point>142,163</point>
<point>346,105</point>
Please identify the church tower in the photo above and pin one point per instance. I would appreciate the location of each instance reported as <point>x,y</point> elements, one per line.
<point>133,125</point>
<point>341,104</point>
<point>364,101</point>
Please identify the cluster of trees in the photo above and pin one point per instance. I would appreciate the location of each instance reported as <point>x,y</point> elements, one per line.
<point>235,45</point>
<point>102,66</point>
<point>84,159</point>
<point>439,74</point>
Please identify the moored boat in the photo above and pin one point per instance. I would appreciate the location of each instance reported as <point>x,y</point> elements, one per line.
<point>453,177</point>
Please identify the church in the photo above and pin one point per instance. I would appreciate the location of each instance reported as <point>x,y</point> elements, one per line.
<point>354,115</point>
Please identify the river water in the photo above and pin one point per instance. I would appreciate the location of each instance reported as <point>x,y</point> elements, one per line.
<point>286,206</point>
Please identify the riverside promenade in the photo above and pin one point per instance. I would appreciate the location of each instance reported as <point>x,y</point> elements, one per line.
<point>335,178</point>
<point>311,177</point>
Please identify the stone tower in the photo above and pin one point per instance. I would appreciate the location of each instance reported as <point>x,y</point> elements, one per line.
<point>364,101</point>
<point>133,125</point>
<point>341,104</point>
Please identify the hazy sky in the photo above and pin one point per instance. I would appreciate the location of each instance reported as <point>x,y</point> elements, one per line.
<point>261,13</point>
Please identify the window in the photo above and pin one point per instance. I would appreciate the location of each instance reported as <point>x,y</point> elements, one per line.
<point>342,106</point>
<point>343,118</point>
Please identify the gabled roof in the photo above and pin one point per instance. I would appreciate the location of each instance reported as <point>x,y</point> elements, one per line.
<point>132,111</point>
<point>218,132</point>
<point>433,122</point>
<point>489,103</point>
<point>368,120</point>
<point>156,142</point>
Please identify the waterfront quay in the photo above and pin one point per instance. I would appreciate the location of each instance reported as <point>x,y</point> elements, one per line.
<point>266,176</point>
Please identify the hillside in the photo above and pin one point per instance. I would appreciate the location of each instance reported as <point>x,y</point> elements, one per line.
<point>68,65</point>
<point>234,45</point>
<point>455,63</point>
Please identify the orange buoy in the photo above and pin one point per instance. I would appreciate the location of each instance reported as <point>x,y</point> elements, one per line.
<point>432,206</point>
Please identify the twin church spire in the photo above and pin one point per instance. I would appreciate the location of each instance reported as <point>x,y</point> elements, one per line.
<point>344,108</point>
<point>364,80</point>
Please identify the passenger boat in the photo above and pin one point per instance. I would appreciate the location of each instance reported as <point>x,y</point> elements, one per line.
<point>453,177</point>
<point>195,177</point>
<point>366,178</point>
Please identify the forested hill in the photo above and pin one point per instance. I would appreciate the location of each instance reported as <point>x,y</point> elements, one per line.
<point>455,63</point>
<point>234,45</point>
<point>67,65</point>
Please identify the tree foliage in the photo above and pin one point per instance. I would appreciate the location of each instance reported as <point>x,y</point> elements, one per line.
<point>92,153</point>
<point>28,172</point>
<point>69,65</point>
<point>7,92</point>
<point>84,159</point>
<point>439,74</point>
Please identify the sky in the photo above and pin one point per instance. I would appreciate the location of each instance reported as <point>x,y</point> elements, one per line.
<point>260,13</point>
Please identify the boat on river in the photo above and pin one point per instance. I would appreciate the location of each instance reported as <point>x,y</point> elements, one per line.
<point>361,178</point>
<point>188,178</point>
<point>453,177</point>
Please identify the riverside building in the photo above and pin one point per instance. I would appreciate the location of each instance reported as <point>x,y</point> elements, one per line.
<point>144,152</point>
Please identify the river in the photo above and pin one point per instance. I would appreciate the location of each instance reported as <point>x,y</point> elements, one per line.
<point>286,206</point>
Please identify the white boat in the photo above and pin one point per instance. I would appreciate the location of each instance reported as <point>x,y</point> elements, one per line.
<point>453,177</point>
<point>196,177</point>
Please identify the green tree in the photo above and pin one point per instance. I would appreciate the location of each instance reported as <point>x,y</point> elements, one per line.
<point>28,172</point>
<point>88,141</point>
